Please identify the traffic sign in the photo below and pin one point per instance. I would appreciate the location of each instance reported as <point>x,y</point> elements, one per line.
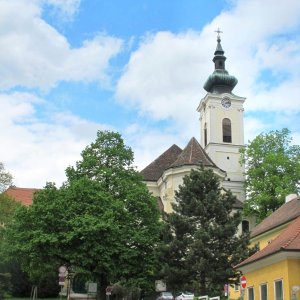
<point>225,289</point>
<point>108,290</point>
<point>62,270</point>
<point>61,275</point>
<point>61,280</point>
<point>243,282</point>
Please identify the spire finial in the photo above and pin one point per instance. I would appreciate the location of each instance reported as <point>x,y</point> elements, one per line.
<point>218,31</point>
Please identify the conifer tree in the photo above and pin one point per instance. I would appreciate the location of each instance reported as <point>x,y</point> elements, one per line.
<point>203,244</point>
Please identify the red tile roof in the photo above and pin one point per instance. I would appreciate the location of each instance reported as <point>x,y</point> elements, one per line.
<point>288,240</point>
<point>192,154</point>
<point>22,195</point>
<point>284,214</point>
<point>153,171</point>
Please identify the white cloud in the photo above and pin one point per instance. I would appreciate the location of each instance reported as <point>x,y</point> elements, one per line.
<point>34,54</point>
<point>39,151</point>
<point>163,80</point>
<point>149,143</point>
<point>253,127</point>
<point>165,75</point>
<point>66,8</point>
<point>40,144</point>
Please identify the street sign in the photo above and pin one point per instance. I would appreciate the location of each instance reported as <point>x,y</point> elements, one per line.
<point>61,275</point>
<point>62,269</point>
<point>243,282</point>
<point>108,290</point>
<point>225,289</point>
<point>61,280</point>
<point>92,288</point>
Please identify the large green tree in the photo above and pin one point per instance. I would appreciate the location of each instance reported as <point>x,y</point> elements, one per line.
<point>103,220</point>
<point>202,245</point>
<point>18,284</point>
<point>7,208</point>
<point>272,172</point>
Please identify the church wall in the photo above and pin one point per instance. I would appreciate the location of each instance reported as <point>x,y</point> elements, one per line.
<point>169,183</point>
<point>224,154</point>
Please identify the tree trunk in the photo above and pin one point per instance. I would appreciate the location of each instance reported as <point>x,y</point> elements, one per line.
<point>102,284</point>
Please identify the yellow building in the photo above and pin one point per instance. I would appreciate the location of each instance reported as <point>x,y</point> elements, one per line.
<point>274,271</point>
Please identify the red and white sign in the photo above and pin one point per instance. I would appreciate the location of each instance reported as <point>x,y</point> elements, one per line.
<point>225,289</point>
<point>243,282</point>
<point>108,290</point>
<point>61,275</point>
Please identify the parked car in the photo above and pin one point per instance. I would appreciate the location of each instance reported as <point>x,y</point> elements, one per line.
<point>184,296</point>
<point>165,296</point>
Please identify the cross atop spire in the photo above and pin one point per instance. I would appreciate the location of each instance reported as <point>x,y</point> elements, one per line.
<point>220,81</point>
<point>218,31</point>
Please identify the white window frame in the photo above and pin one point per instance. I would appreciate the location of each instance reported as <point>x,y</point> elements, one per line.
<point>250,287</point>
<point>275,281</point>
<point>266,284</point>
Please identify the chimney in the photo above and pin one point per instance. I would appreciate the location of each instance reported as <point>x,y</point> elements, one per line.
<point>290,197</point>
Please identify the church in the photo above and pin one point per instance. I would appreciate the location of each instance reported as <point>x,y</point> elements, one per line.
<point>221,116</point>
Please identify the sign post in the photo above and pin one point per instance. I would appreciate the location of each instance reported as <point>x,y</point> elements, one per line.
<point>62,275</point>
<point>243,285</point>
<point>243,282</point>
<point>108,291</point>
<point>226,290</point>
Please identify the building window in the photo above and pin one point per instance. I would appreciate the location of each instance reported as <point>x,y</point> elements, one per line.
<point>250,293</point>
<point>263,292</point>
<point>205,134</point>
<point>278,290</point>
<point>245,226</point>
<point>226,125</point>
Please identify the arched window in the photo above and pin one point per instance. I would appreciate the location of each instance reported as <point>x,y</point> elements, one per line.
<point>245,226</point>
<point>226,125</point>
<point>205,134</point>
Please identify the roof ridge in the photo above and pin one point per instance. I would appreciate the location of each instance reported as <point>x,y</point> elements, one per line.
<point>286,240</point>
<point>22,188</point>
<point>287,212</point>
<point>292,238</point>
<point>194,154</point>
<point>191,154</point>
<point>154,170</point>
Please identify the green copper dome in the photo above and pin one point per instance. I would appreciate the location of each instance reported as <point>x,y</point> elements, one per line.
<point>220,81</point>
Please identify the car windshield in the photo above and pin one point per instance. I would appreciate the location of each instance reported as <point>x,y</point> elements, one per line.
<point>188,293</point>
<point>166,294</point>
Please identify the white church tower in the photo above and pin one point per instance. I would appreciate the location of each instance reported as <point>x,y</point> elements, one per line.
<point>222,124</point>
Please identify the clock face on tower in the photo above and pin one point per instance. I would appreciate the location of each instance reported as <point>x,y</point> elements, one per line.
<point>226,102</point>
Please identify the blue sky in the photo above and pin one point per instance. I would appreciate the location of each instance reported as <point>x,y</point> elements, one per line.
<point>69,68</point>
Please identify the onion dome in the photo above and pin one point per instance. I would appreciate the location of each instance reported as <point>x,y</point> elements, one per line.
<point>220,81</point>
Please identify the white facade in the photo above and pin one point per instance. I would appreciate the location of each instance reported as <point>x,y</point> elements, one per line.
<point>221,138</point>
<point>169,182</point>
<point>214,109</point>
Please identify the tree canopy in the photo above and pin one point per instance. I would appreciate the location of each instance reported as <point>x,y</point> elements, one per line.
<point>5,178</point>
<point>7,208</point>
<point>102,220</point>
<point>202,245</point>
<point>272,172</point>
